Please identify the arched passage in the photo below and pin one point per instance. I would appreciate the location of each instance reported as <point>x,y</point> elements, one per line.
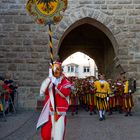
<point>92,38</point>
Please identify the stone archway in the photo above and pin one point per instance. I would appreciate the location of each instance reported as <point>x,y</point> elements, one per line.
<point>94,39</point>
<point>103,24</point>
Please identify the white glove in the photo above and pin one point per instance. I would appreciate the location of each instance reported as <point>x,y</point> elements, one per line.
<point>54,80</point>
<point>41,94</point>
<point>130,90</point>
<point>107,99</point>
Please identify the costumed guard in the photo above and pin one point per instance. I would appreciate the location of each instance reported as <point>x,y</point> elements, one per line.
<point>74,98</point>
<point>127,98</point>
<point>111,102</point>
<point>54,128</point>
<point>91,97</point>
<point>102,92</point>
<point>119,94</point>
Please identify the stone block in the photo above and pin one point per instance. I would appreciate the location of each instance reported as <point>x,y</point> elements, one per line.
<point>123,51</point>
<point>41,41</point>
<point>15,6</point>
<point>9,27</point>
<point>124,1</point>
<point>3,34</point>
<point>18,48</point>
<point>3,6</point>
<point>40,75</point>
<point>6,19</point>
<point>16,34</point>
<point>111,2</point>
<point>24,27</point>
<point>104,6</point>
<point>24,55</point>
<point>133,12</point>
<point>22,67</point>
<point>3,67</point>
<point>136,1</point>
<point>11,55</point>
<point>137,20</point>
<point>23,19</point>
<point>119,20</point>
<point>42,67</point>
<point>12,67</point>
<point>99,1</point>
<point>8,1</point>
<point>130,20</point>
<point>134,28</point>
<point>129,7</point>
<point>27,42</point>
<point>12,41</point>
<point>115,7</point>
<point>137,6</point>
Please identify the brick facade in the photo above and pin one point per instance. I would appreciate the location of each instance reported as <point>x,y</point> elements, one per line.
<point>24,45</point>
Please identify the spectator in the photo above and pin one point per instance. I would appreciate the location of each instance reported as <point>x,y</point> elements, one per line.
<point>12,86</point>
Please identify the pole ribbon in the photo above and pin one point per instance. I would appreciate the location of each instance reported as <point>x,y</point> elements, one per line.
<point>52,58</point>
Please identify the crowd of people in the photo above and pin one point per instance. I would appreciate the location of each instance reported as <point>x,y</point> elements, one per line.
<point>94,95</point>
<point>7,93</point>
<point>102,95</point>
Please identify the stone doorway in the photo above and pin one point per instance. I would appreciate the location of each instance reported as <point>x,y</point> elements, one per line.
<point>94,39</point>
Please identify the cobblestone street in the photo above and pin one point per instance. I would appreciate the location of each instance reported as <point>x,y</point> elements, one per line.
<point>79,127</point>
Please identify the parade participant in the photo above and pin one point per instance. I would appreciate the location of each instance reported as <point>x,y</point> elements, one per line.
<point>91,96</point>
<point>74,98</point>
<point>86,88</point>
<point>111,102</point>
<point>13,86</point>
<point>5,92</point>
<point>119,88</point>
<point>102,91</point>
<point>58,83</point>
<point>127,95</point>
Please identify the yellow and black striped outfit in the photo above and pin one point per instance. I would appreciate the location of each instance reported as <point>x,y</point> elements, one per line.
<point>127,100</point>
<point>102,91</point>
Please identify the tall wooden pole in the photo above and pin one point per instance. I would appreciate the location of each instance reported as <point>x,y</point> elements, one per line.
<point>52,59</point>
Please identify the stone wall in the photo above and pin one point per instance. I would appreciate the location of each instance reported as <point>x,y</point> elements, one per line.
<point>24,45</point>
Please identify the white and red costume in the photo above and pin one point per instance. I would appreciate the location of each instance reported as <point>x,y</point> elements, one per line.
<point>51,129</point>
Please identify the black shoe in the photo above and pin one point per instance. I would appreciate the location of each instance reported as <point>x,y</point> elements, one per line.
<point>130,114</point>
<point>100,119</point>
<point>90,113</point>
<point>104,117</point>
<point>126,115</point>
<point>110,113</point>
<point>72,114</point>
<point>120,111</point>
<point>95,112</point>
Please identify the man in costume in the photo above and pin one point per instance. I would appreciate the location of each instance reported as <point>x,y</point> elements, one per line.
<point>127,97</point>
<point>111,102</point>
<point>102,95</point>
<point>74,97</point>
<point>53,125</point>
<point>119,89</point>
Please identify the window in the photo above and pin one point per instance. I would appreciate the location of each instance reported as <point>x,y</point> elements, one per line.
<point>86,69</point>
<point>70,68</point>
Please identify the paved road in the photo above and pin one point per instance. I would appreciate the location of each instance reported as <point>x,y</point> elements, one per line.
<point>115,127</point>
<point>79,127</point>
